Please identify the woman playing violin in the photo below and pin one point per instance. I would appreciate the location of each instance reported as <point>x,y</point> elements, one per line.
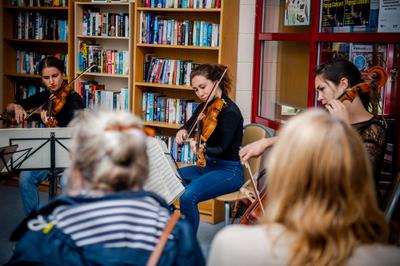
<point>223,172</point>
<point>52,71</point>
<point>331,81</point>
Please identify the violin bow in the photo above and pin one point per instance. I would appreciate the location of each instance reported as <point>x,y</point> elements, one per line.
<point>216,84</point>
<point>52,96</point>
<point>254,185</point>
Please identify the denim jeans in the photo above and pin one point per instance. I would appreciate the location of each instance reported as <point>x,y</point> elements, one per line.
<point>219,177</point>
<point>28,180</point>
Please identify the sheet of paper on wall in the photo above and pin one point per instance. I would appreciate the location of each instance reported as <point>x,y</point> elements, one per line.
<point>164,178</point>
<point>297,12</point>
<point>389,19</point>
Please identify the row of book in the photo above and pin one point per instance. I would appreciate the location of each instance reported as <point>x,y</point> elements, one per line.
<point>28,62</point>
<point>96,97</point>
<point>96,23</point>
<point>180,153</point>
<point>105,60</point>
<point>158,30</point>
<point>24,90</point>
<point>39,3</point>
<point>40,26</point>
<point>182,3</point>
<point>168,71</point>
<point>158,107</point>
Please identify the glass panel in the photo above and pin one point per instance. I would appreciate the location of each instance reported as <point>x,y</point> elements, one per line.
<point>364,56</point>
<point>289,16</point>
<point>360,16</point>
<point>284,79</point>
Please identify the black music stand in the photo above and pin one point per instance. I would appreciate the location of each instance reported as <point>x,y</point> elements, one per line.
<point>52,141</point>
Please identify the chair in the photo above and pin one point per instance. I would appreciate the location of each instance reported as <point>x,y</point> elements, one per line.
<point>252,132</point>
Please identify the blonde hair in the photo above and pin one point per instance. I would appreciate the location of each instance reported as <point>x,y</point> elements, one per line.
<point>320,188</point>
<point>109,150</point>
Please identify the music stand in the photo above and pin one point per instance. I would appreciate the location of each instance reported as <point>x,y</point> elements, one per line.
<point>6,154</point>
<point>47,150</point>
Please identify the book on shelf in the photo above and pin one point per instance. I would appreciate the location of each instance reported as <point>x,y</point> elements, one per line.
<point>182,3</point>
<point>164,178</point>
<point>39,3</point>
<point>182,153</point>
<point>97,23</point>
<point>155,29</point>
<point>108,61</point>
<point>158,107</point>
<point>40,26</point>
<point>27,62</point>
<point>96,97</point>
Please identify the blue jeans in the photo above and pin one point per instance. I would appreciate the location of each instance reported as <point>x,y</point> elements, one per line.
<point>219,177</point>
<point>28,180</point>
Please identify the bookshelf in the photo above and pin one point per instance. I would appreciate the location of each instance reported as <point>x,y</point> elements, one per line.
<point>166,34</point>
<point>30,32</point>
<point>103,37</point>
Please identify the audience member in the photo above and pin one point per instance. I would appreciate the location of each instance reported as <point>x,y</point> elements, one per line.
<point>106,218</point>
<point>321,207</point>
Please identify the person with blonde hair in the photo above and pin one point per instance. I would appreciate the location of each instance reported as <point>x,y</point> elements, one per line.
<point>321,207</point>
<point>106,218</point>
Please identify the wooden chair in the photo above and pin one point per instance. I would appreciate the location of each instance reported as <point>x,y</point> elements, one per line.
<point>252,132</point>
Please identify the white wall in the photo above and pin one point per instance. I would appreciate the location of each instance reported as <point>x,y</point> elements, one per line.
<point>245,58</point>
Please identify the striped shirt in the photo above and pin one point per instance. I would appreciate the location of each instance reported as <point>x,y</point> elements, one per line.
<point>115,223</point>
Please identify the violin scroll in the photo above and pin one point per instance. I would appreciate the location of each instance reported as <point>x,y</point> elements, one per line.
<point>378,77</point>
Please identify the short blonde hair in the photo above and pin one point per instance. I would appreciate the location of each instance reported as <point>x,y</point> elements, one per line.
<point>109,150</point>
<point>321,189</point>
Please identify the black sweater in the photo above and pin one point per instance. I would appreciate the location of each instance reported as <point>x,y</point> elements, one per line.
<point>64,116</point>
<point>225,141</point>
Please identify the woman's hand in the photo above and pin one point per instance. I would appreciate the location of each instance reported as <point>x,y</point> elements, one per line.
<point>20,113</point>
<point>337,108</point>
<point>256,148</point>
<point>193,146</point>
<point>181,136</point>
<point>44,117</point>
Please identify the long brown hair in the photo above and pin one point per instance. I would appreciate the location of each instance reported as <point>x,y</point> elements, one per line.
<point>321,190</point>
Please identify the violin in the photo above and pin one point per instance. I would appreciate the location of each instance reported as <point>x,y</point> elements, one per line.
<point>207,126</point>
<point>378,80</point>
<point>206,121</point>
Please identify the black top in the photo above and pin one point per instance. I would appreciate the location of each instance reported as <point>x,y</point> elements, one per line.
<point>225,141</point>
<point>373,135</point>
<point>64,116</point>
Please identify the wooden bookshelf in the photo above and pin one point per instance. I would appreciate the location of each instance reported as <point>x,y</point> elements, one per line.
<point>112,81</point>
<point>225,53</point>
<point>12,44</point>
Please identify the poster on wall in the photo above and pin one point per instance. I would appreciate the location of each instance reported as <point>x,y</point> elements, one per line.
<point>389,19</point>
<point>297,12</point>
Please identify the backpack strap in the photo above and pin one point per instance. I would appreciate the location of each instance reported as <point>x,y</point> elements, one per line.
<point>156,254</point>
